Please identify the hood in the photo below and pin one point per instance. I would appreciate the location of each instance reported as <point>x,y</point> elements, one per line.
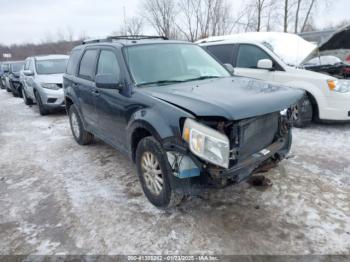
<point>338,40</point>
<point>50,79</point>
<point>233,98</point>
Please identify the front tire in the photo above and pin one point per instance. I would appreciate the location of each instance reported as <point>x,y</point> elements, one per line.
<point>42,109</point>
<point>302,112</point>
<point>154,173</point>
<point>81,136</point>
<point>26,100</point>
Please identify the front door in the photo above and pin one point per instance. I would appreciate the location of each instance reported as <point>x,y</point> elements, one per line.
<point>111,106</point>
<point>247,60</point>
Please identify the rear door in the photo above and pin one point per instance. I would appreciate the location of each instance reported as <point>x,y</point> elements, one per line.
<point>111,106</point>
<point>84,86</point>
<point>246,62</point>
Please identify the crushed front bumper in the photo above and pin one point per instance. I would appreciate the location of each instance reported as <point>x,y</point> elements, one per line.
<point>245,168</point>
<point>237,173</point>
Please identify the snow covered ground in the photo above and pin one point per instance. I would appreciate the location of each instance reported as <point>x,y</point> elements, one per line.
<point>57,197</point>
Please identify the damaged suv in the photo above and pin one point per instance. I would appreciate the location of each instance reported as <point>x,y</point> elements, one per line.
<point>177,112</point>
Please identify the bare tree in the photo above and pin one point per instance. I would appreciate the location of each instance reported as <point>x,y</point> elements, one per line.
<point>161,15</point>
<point>296,24</point>
<point>132,26</point>
<point>203,18</point>
<point>311,5</point>
<point>285,22</point>
<point>189,25</point>
<point>259,13</point>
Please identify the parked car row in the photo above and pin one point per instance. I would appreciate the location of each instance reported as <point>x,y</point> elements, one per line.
<point>176,109</point>
<point>37,80</point>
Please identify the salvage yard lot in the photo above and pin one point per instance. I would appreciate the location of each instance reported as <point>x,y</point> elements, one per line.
<point>57,197</point>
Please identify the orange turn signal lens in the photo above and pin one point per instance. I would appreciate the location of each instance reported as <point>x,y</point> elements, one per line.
<point>186,134</point>
<point>331,84</point>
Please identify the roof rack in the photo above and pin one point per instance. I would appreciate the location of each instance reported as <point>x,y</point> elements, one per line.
<point>135,37</point>
<point>124,37</point>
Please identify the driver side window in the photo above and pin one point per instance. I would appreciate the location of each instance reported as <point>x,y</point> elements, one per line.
<point>108,64</point>
<point>249,55</point>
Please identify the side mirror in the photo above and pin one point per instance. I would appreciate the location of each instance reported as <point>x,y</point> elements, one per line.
<point>265,64</point>
<point>107,81</point>
<point>230,68</point>
<point>28,72</point>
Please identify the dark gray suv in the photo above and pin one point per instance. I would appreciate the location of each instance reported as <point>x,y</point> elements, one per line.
<point>177,112</point>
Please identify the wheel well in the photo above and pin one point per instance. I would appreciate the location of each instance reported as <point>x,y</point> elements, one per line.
<point>68,102</point>
<point>136,137</point>
<point>315,114</point>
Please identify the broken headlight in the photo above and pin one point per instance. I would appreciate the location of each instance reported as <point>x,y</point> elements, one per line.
<point>207,143</point>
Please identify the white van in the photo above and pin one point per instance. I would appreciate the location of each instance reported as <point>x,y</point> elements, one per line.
<point>277,57</point>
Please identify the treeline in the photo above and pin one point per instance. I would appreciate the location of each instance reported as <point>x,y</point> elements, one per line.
<point>20,52</point>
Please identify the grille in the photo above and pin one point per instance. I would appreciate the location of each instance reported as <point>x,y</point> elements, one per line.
<point>257,133</point>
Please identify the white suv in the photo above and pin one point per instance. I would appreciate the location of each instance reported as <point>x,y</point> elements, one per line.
<point>278,57</point>
<point>42,80</point>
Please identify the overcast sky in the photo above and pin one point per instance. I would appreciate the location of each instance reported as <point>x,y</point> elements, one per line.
<point>32,21</point>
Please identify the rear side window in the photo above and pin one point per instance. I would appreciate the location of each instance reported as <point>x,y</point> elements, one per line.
<point>73,62</point>
<point>224,53</point>
<point>87,67</point>
<point>249,55</point>
<point>108,64</point>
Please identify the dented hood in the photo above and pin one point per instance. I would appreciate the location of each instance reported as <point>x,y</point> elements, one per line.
<point>233,98</point>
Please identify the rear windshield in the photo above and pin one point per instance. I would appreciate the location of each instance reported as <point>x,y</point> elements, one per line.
<point>16,67</point>
<point>53,66</point>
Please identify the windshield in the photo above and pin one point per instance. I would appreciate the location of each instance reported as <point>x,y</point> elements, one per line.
<point>16,67</point>
<point>171,63</point>
<point>48,67</point>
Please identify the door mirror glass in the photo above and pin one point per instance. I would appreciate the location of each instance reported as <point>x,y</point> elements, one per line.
<point>230,68</point>
<point>265,64</point>
<point>107,81</point>
<point>28,72</point>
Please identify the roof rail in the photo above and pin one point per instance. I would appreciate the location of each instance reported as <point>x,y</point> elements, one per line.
<point>89,41</point>
<point>135,37</point>
<point>123,37</point>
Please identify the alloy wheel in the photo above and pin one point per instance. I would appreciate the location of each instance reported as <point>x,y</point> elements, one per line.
<point>75,125</point>
<point>152,173</point>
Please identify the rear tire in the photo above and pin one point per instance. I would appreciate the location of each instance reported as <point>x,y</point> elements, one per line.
<point>81,136</point>
<point>42,109</point>
<point>154,173</point>
<point>302,112</point>
<point>26,100</point>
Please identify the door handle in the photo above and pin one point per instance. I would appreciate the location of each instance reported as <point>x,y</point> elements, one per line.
<point>95,92</point>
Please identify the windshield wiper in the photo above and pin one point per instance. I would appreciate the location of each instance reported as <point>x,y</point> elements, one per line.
<point>160,82</point>
<point>200,78</point>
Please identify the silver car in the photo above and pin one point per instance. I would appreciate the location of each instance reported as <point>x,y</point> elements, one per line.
<point>42,81</point>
